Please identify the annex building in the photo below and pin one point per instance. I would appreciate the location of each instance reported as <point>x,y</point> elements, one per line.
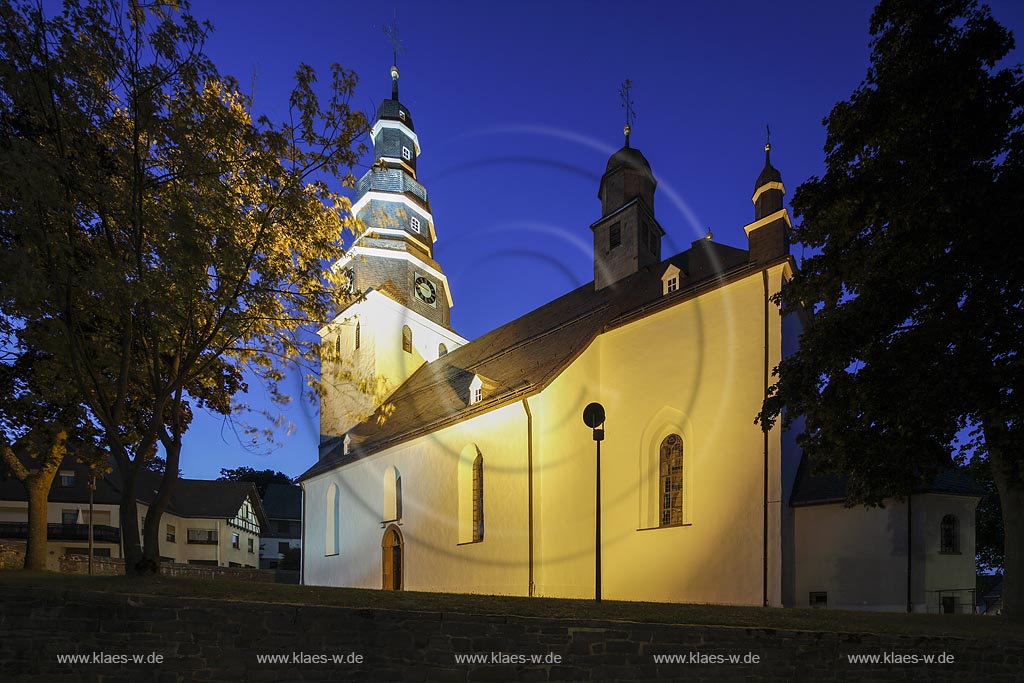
<point>469,469</point>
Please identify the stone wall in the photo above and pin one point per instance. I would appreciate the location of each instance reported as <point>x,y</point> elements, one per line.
<point>222,640</point>
<point>12,556</point>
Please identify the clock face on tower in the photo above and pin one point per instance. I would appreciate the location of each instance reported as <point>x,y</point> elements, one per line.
<point>425,290</point>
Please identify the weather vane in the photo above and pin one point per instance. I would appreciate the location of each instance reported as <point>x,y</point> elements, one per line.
<point>391,31</point>
<point>627,104</point>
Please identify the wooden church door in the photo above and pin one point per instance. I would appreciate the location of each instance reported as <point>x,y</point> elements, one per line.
<point>392,548</point>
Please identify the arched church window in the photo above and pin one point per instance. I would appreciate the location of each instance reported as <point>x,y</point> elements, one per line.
<point>478,499</point>
<point>671,481</point>
<point>442,350</point>
<point>337,345</point>
<point>949,533</point>
<point>392,495</point>
<point>357,335</point>
<point>406,338</point>
<point>332,521</point>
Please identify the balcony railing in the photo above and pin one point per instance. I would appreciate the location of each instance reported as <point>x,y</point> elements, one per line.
<point>101,533</point>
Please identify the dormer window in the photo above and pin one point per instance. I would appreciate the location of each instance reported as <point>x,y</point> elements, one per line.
<point>406,153</point>
<point>476,390</point>
<point>347,445</point>
<point>414,223</point>
<point>401,114</point>
<point>670,279</point>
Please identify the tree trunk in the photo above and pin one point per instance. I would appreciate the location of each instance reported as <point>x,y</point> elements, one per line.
<point>151,532</point>
<point>38,488</point>
<point>1009,478</point>
<point>134,562</point>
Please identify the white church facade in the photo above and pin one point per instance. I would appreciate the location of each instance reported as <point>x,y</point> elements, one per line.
<point>470,469</point>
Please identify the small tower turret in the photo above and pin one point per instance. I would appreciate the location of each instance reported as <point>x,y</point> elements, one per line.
<point>768,235</point>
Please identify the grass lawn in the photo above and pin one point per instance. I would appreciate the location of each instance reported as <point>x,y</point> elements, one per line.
<point>966,626</point>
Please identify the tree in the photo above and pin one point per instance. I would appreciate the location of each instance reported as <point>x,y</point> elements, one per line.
<point>988,520</point>
<point>171,243</point>
<point>262,478</point>
<point>38,411</point>
<point>914,291</point>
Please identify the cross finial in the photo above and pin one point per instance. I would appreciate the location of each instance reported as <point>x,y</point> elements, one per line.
<point>391,31</point>
<point>627,104</point>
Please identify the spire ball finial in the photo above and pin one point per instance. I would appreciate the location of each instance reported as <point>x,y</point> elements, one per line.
<point>394,73</point>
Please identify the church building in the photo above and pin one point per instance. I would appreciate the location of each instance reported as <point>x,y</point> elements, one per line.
<point>453,465</point>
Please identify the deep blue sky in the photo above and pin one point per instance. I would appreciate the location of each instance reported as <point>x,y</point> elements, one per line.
<point>517,109</point>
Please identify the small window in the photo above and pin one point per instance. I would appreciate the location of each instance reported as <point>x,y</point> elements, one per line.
<point>614,236</point>
<point>643,234</point>
<point>415,224</point>
<point>282,547</point>
<point>250,543</point>
<point>442,350</point>
<point>346,445</point>
<point>671,480</point>
<point>406,338</point>
<point>234,541</point>
<point>673,284</point>
<point>170,533</point>
<point>69,516</point>
<point>949,533</point>
<point>406,153</point>
<point>818,599</point>
<point>652,241</point>
<point>478,499</point>
<point>337,345</point>
<point>202,536</point>
<point>478,395</point>
<point>401,114</point>
<point>357,335</point>
<point>67,478</point>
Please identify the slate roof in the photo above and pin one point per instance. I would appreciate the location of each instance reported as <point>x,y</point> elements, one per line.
<point>769,174</point>
<point>283,501</point>
<point>523,356</point>
<point>812,488</point>
<point>191,497</point>
<point>106,492</point>
<point>391,110</point>
<point>202,497</point>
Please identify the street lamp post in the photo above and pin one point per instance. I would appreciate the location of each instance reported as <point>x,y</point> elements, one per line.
<point>92,489</point>
<point>593,417</point>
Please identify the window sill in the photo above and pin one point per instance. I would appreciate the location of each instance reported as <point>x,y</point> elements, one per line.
<point>325,555</point>
<point>667,526</point>
<point>950,552</point>
<point>469,543</point>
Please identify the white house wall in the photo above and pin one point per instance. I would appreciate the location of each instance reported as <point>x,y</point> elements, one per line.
<point>859,555</point>
<point>434,560</point>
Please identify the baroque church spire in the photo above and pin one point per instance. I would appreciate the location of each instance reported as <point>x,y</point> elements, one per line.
<point>627,237</point>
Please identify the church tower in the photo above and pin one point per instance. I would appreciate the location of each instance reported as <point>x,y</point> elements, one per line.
<point>768,235</point>
<point>400,311</point>
<point>627,237</point>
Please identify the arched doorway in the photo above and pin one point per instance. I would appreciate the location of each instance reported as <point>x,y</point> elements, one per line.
<point>392,564</point>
